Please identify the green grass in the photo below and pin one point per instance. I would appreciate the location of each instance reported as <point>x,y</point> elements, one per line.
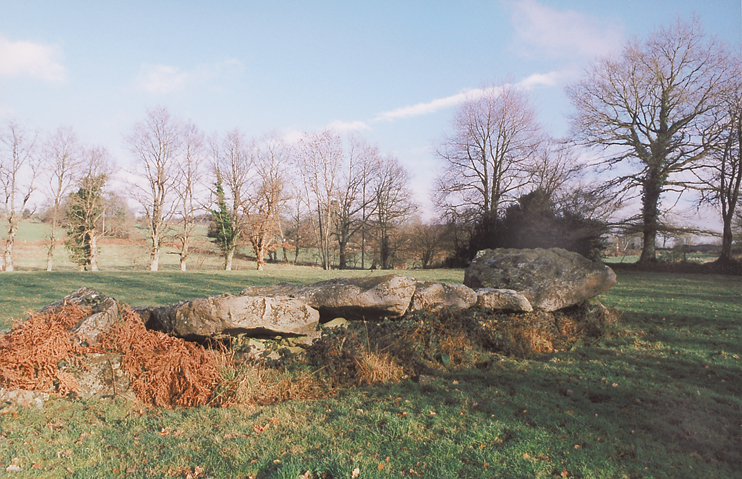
<point>659,399</point>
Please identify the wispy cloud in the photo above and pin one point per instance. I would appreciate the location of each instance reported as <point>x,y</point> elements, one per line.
<point>342,126</point>
<point>433,106</point>
<point>30,59</point>
<point>166,79</point>
<point>467,94</point>
<point>563,33</point>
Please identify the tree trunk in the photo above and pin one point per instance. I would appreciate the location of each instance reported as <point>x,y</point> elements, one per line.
<point>228,259</point>
<point>184,256</point>
<point>727,238</point>
<point>342,262</point>
<point>9,242</point>
<point>93,238</point>
<point>154,257</point>
<point>52,246</point>
<point>650,217</point>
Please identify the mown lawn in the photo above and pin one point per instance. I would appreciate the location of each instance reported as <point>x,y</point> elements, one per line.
<point>661,398</point>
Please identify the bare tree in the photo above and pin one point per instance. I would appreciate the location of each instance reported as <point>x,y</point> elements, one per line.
<point>319,161</point>
<point>186,188</point>
<point>426,242</point>
<point>155,143</point>
<point>647,109</point>
<point>299,230</point>
<point>487,157</point>
<point>723,177</point>
<point>393,205</point>
<point>62,158</point>
<point>18,170</point>
<point>554,169</point>
<point>262,205</point>
<point>233,165</point>
<point>354,203</point>
<point>86,208</point>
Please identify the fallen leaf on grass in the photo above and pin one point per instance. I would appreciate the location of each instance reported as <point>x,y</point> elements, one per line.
<point>165,431</point>
<point>81,438</point>
<point>380,466</point>
<point>258,429</point>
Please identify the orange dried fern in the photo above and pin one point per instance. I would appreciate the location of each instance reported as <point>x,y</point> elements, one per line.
<point>31,353</point>
<point>165,371</point>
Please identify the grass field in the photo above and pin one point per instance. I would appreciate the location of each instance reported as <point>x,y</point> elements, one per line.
<point>661,398</point>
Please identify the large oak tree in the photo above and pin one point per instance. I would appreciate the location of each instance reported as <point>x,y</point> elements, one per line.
<point>648,108</point>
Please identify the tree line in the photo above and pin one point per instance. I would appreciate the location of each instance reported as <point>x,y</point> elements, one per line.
<point>327,192</point>
<point>661,117</point>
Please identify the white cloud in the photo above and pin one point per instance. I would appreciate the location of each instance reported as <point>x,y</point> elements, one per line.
<point>165,79</point>
<point>161,79</point>
<point>540,79</point>
<point>30,59</point>
<point>565,33</point>
<point>467,94</point>
<point>342,126</point>
<point>431,106</point>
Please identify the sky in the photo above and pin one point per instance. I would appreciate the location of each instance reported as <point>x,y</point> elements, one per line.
<point>391,71</point>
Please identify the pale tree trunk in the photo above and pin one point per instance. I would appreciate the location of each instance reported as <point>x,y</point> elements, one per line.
<point>10,242</point>
<point>183,257</point>
<point>228,260</point>
<point>52,245</point>
<point>154,257</point>
<point>93,243</point>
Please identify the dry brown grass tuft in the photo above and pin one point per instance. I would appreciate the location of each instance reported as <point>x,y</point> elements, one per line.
<point>255,383</point>
<point>164,370</point>
<point>378,368</point>
<point>31,353</point>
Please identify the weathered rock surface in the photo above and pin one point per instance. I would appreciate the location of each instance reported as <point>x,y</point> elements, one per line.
<point>352,298</point>
<point>434,296</point>
<point>11,398</point>
<point>503,299</point>
<point>104,313</point>
<point>231,315</point>
<point>101,376</point>
<point>550,279</point>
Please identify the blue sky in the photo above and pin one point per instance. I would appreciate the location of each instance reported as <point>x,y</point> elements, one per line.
<point>391,70</point>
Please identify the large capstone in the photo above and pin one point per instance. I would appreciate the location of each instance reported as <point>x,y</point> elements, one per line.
<point>551,279</point>
<point>373,297</point>
<point>227,315</point>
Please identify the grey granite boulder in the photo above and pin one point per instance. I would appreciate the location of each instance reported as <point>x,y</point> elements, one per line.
<point>371,297</point>
<point>433,296</point>
<point>104,311</point>
<point>228,315</point>
<point>503,300</point>
<point>551,279</point>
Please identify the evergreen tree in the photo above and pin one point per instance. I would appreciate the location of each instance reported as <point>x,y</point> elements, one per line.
<point>223,230</point>
<point>84,213</point>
